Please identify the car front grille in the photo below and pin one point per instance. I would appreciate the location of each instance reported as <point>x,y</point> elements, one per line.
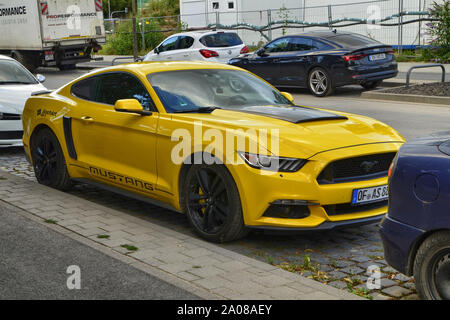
<point>348,208</point>
<point>11,135</point>
<point>356,169</point>
<point>9,116</point>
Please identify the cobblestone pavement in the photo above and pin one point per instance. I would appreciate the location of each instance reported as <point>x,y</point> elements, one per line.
<point>338,258</point>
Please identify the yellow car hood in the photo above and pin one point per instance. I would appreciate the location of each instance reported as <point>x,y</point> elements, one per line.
<point>302,139</point>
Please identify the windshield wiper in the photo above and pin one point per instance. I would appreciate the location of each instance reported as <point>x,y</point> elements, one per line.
<point>198,110</point>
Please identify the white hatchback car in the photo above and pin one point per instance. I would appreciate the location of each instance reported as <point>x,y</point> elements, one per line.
<point>214,46</point>
<point>16,86</point>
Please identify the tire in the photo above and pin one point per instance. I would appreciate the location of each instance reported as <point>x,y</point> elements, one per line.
<point>48,160</point>
<point>320,83</point>
<point>63,67</point>
<point>212,203</point>
<point>432,267</point>
<point>28,59</point>
<point>371,84</point>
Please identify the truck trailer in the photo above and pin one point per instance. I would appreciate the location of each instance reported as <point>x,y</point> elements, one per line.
<point>51,33</point>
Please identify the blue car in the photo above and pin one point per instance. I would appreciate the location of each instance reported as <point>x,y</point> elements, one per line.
<point>416,230</point>
<point>321,61</point>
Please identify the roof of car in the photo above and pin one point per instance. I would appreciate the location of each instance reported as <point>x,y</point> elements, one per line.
<point>146,68</point>
<point>3,57</point>
<point>323,34</point>
<point>200,33</point>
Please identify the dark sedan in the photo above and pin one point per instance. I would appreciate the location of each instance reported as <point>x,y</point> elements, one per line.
<point>321,61</point>
<point>416,230</point>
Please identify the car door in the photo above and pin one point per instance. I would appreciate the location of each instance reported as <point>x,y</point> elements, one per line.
<point>167,50</point>
<point>184,49</point>
<point>266,62</point>
<point>294,65</point>
<point>115,147</point>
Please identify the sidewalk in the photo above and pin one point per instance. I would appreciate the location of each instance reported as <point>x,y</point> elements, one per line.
<point>203,268</point>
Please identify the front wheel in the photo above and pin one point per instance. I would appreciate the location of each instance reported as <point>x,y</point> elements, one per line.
<point>212,203</point>
<point>48,160</point>
<point>432,267</point>
<point>319,82</point>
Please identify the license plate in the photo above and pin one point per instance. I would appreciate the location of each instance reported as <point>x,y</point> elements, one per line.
<point>379,56</point>
<point>48,57</point>
<point>373,194</point>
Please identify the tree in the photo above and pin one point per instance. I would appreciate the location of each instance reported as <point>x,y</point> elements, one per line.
<point>116,5</point>
<point>440,31</point>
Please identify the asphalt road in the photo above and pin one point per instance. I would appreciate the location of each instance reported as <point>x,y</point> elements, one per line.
<point>410,119</point>
<point>34,261</point>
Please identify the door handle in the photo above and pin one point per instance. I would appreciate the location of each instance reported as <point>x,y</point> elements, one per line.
<point>87,119</point>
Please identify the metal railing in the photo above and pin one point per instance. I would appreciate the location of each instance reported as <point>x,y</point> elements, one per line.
<point>394,22</point>
<point>408,74</point>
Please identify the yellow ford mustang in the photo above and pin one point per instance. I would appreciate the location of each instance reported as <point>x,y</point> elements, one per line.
<point>213,141</point>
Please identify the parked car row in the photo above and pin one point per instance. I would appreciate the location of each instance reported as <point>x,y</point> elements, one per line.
<point>320,61</point>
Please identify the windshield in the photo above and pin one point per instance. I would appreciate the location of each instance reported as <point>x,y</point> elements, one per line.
<point>12,72</point>
<point>227,89</point>
<point>221,40</point>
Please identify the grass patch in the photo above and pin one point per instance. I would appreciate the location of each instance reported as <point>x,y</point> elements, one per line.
<point>365,293</point>
<point>103,236</point>
<point>129,247</point>
<point>306,266</point>
<point>3,178</point>
<point>50,221</point>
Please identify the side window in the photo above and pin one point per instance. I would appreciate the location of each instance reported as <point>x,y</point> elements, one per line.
<point>169,44</point>
<point>85,89</point>
<point>185,42</point>
<point>318,45</point>
<point>116,86</point>
<point>300,44</point>
<point>280,45</point>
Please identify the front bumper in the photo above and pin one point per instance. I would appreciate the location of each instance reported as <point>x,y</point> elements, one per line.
<point>398,239</point>
<point>258,191</point>
<point>11,132</point>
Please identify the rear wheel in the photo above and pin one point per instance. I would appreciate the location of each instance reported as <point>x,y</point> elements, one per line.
<point>48,160</point>
<point>319,82</point>
<point>432,267</point>
<point>371,84</point>
<point>212,203</point>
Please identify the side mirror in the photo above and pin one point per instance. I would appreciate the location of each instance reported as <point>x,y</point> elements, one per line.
<point>288,96</point>
<point>261,52</point>
<point>131,106</point>
<point>157,50</point>
<point>40,78</point>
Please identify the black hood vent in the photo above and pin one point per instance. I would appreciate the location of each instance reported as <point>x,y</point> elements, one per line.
<point>293,114</point>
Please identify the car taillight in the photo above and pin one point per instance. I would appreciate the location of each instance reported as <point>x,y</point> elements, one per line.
<point>390,51</point>
<point>354,57</point>
<point>245,50</point>
<point>208,53</point>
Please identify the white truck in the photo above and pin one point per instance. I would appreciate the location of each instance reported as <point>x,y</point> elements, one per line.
<point>57,33</point>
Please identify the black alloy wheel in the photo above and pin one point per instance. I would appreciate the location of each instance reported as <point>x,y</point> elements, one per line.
<point>48,160</point>
<point>212,203</point>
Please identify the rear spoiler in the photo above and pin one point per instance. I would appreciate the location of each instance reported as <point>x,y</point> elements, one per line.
<point>37,93</point>
<point>372,47</point>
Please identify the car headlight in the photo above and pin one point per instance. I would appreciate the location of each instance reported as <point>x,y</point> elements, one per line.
<point>272,163</point>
